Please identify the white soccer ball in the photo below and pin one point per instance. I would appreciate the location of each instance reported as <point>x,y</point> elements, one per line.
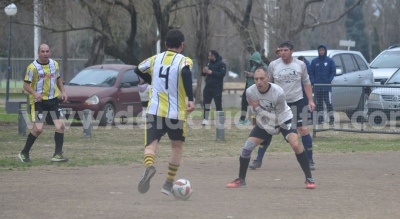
<point>182,189</point>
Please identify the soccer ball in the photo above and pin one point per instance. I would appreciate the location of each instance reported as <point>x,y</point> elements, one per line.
<point>182,189</point>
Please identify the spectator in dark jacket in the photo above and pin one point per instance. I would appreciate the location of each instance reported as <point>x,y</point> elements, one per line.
<point>214,72</point>
<point>322,71</point>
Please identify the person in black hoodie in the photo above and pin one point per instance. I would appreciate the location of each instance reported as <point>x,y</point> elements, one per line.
<point>214,72</point>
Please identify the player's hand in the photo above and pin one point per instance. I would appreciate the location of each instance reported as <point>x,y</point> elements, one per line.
<point>64,97</point>
<point>38,97</point>
<point>190,107</point>
<point>253,103</point>
<point>311,105</point>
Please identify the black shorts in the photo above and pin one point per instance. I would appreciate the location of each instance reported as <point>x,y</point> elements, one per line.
<point>157,126</point>
<point>300,113</point>
<point>260,133</point>
<point>46,108</point>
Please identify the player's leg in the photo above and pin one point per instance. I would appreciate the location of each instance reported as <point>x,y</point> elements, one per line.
<point>144,107</point>
<point>176,130</point>
<point>153,136</point>
<point>37,118</point>
<point>260,155</point>
<point>329,106</point>
<point>243,109</point>
<point>217,95</point>
<point>292,138</point>
<point>207,98</point>
<point>297,108</point>
<point>256,137</point>
<point>58,120</point>
<point>319,106</point>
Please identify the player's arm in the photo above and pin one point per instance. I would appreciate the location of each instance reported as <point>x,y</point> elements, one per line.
<point>270,73</point>
<point>187,82</point>
<point>28,88</point>
<point>27,84</point>
<point>284,116</point>
<point>188,86</point>
<point>60,85</point>
<point>145,76</point>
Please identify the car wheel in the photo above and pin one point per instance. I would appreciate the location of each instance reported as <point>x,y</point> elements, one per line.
<point>362,110</point>
<point>108,115</point>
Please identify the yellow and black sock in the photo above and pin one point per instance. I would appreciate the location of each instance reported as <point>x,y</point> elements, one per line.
<point>149,159</point>
<point>172,169</point>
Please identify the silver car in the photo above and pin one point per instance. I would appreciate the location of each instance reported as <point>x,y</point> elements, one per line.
<point>351,69</point>
<point>384,102</point>
<point>386,63</point>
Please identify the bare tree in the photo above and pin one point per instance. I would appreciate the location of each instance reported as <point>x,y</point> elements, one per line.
<point>202,23</point>
<point>163,17</point>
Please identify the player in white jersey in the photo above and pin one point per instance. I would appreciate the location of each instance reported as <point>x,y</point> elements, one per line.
<point>273,116</point>
<point>169,74</point>
<point>290,74</point>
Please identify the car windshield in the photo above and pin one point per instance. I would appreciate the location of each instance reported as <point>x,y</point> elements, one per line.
<point>388,59</point>
<point>395,79</point>
<point>309,58</point>
<point>95,78</point>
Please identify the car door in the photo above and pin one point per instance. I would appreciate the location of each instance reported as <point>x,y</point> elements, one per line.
<point>345,98</point>
<point>128,92</point>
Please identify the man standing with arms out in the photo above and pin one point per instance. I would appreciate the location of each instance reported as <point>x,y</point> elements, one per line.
<point>273,115</point>
<point>255,62</point>
<point>214,72</point>
<point>43,82</point>
<point>322,71</point>
<point>290,74</point>
<point>170,76</point>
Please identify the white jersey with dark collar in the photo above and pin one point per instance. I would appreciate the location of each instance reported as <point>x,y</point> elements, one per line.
<point>289,77</point>
<point>273,111</point>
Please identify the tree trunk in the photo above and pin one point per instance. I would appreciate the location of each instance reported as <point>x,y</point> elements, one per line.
<point>203,44</point>
<point>97,55</point>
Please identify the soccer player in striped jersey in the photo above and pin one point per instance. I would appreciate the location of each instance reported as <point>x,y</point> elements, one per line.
<point>170,76</point>
<point>43,82</point>
<point>273,116</point>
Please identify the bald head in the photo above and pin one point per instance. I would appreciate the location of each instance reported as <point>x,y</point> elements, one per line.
<point>44,53</point>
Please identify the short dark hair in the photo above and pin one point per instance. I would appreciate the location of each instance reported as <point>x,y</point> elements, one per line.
<point>174,39</point>
<point>302,58</point>
<point>287,44</point>
<point>215,53</point>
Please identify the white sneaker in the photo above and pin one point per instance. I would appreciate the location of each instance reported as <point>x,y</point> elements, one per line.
<point>205,122</point>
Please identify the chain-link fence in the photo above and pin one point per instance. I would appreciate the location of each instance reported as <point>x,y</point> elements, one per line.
<point>357,108</point>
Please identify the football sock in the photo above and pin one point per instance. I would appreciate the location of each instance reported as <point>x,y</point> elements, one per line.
<point>302,159</point>
<point>29,142</point>
<point>149,159</point>
<point>261,151</point>
<point>172,169</point>
<point>59,139</point>
<point>307,143</point>
<point>244,165</point>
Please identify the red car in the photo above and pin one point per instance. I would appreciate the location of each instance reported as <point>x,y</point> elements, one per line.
<point>108,90</point>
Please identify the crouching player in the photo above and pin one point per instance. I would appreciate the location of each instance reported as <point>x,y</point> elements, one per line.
<point>273,116</point>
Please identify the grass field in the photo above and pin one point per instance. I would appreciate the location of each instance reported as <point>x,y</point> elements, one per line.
<point>123,144</point>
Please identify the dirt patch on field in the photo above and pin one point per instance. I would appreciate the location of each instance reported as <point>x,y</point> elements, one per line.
<point>352,185</point>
